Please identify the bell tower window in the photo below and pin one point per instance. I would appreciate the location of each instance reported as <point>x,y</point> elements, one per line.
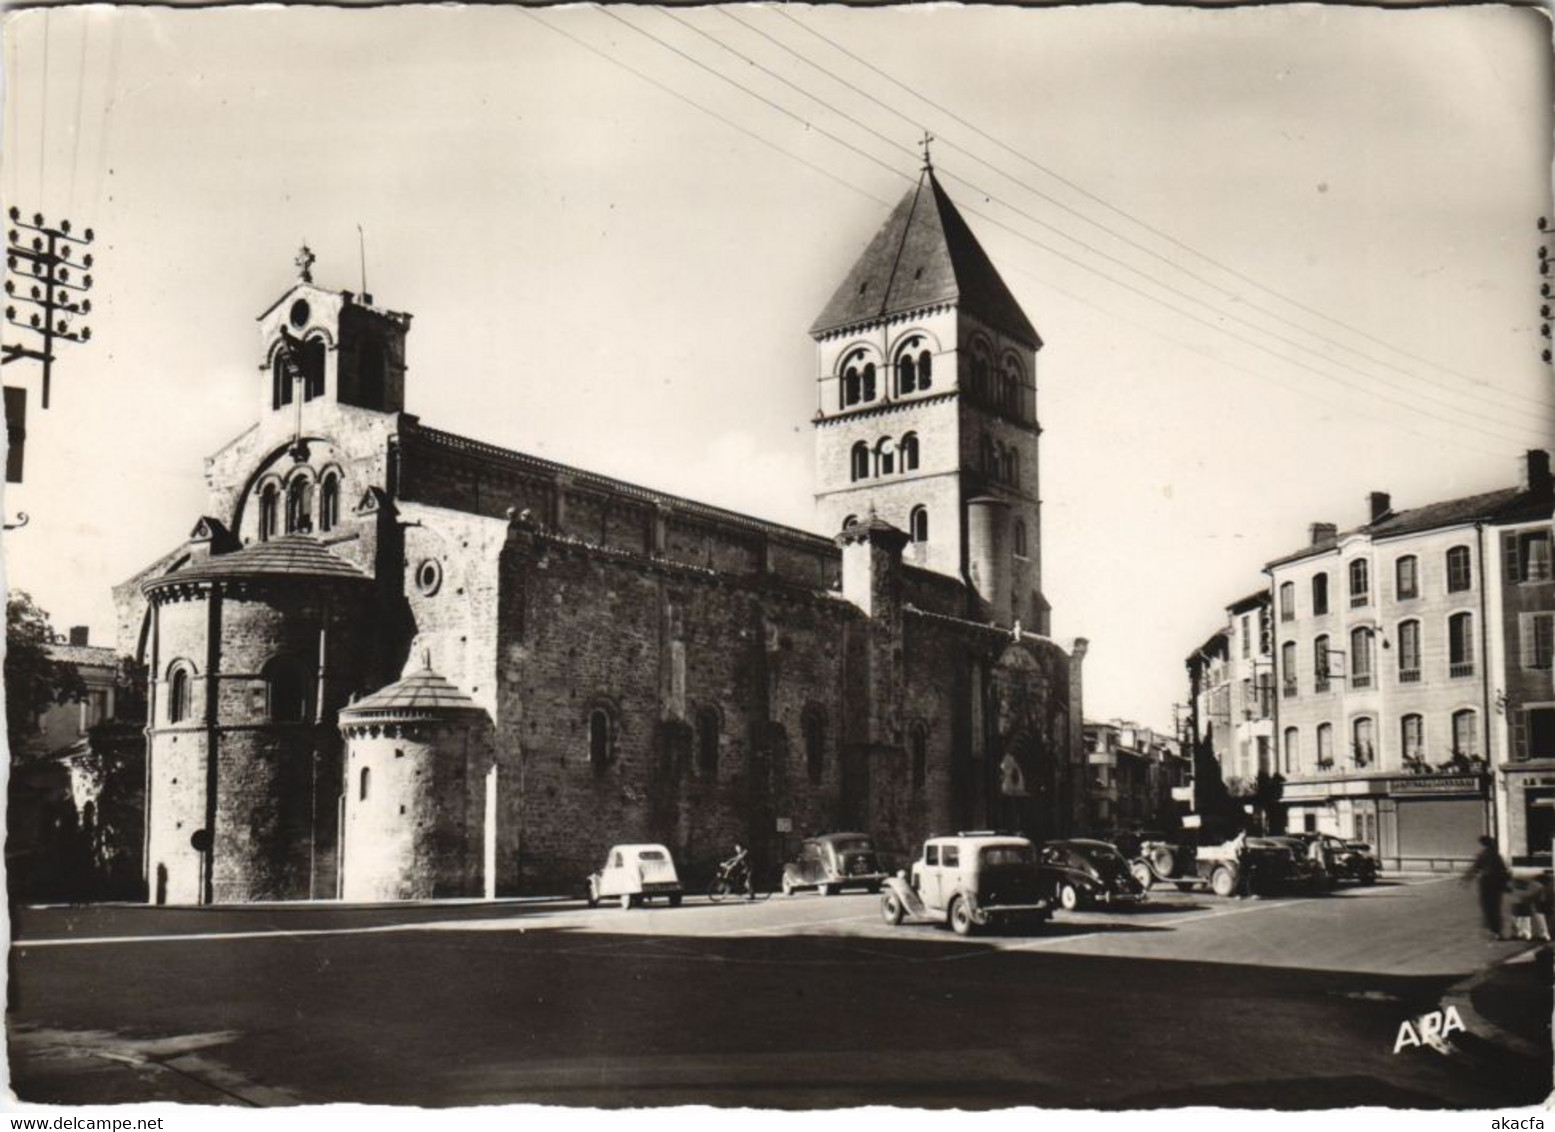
<point>910,452</point>
<point>281,383</point>
<point>329,502</point>
<point>310,359</point>
<point>906,374</point>
<point>918,524</point>
<point>299,506</point>
<point>267,505</point>
<point>885,458</point>
<point>860,461</point>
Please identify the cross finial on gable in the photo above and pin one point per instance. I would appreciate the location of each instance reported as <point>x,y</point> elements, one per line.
<point>924,145</point>
<point>304,262</point>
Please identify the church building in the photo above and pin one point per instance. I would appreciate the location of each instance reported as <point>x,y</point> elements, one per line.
<point>393,663</point>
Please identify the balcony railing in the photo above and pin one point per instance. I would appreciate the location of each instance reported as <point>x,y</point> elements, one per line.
<point>1461,668</point>
<point>1358,600</point>
<point>1361,680</point>
<point>1409,676</point>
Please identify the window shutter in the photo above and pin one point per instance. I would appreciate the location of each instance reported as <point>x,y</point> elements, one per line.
<point>1519,736</point>
<point>1514,571</point>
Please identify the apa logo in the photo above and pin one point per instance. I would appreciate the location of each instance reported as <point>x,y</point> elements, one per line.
<point>1434,1027</point>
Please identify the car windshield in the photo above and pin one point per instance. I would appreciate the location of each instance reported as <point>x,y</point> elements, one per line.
<point>650,855</point>
<point>1008,855</point>
<point>854,845</point>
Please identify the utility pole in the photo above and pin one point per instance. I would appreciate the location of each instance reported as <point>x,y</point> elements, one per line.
<point>54,286</point>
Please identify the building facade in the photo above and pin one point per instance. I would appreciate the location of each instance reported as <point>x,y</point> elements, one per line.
<point>1411,674</point>
<point>1134,770</point>
<point>394,663</point>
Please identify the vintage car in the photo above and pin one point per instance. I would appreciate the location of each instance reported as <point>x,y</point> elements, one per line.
<point>970,880</point>
<point>834,862</point>
<point>1081,873</point>
<point>1307,871</point>
<point>1340,859</point>
<point>1217,866</point>
<point>635,873</point>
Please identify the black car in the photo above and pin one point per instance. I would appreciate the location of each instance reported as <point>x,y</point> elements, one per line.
<point>1081,873</point>
<point>833,862</point>
<point>1342,860</point>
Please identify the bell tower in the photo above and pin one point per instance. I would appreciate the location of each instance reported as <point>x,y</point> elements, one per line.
<point>323,347</point>
<point>926,410</point>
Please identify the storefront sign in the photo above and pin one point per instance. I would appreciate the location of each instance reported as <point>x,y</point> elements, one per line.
<point>1457,784</point>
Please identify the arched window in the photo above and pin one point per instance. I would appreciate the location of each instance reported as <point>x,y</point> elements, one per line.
<point>267,507</point>
<point>1325,745</point>
<point>1320,663</point>
<point>860,461</point>
<point>299,505</point>
<point>815,746</point>
<point>601,741</point>
<point>1292,750</point>
<point>1287,601</point>
<point>1360,657</point>
<point>850,386</point>
<point>920,757</point>
<point>1360,582</point>
<point>910,452</point>
<point>1460,574</point>
<point>1288,668</point>
<point>280,382</point>
<point>707,743</point>
<point>1412,738</point>
<point>1020,538</point>
<point>1364,749</point>
<point>1406,578</point>
<point>369,374</point>
<point>989,458</point>
<point>885,457</point>
<point>329,502</point>
<point>925,369</point>
<point>1460,644</point>
<point>980,376</point>
<point>1465,734</point>
<point>286,691</point>
<point>364,781</point>
<point>310,358</point>
<point>849,521</point>
<point>1014,461</point>
<point>1319,594</point>
<point>906,374</point>
<point>178,695</point>
<point>918,524</point>
<point>869,382</point>
<point>1409,652</point>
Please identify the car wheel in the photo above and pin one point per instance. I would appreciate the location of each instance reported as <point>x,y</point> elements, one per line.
<point>1223,882</point>
<point>593,895</point>
<point>1142,874</point>
<point>830,889</point>
<point>961,917</point>
<point>891,910</point>
<point>627,900</point>
<point>1069,897</point>
<point>1163,861</point>
<point>675,900</point>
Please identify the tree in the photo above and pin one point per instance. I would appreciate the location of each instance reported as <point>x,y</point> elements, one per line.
<point>34,680</point>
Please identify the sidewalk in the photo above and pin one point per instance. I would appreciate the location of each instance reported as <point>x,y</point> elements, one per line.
<point>1507,1006</point>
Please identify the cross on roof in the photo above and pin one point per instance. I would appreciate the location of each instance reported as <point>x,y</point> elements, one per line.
<point>304,262</point>
<point>924,145</point>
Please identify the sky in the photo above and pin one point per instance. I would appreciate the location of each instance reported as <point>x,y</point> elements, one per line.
<point>1280,257</point>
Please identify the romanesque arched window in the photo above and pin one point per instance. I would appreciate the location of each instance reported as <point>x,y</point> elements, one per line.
<point>860,461</point>
<point>885,457</point>
<point>364,783</point>
<point>869,382</point>
<point>910,452</point>
<point>1020,538</point>
<point>299,505</point>
<point>1014,468</point>
<point>989,458</point>
<point>329,502</point>
<point>918,524</point>
<point>286,691</point>
<point>815,745</point>
<point>601,740</point>
<point>280,381</point>
<point>850,387</point>
<point>925,369</point>
<point>707,743</point>
<point>179,689</point>
<point>310,359</point>
<point>267,508</point>
<point>906,374</point>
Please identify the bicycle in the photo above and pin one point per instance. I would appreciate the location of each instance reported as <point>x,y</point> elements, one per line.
<point>739,886</point>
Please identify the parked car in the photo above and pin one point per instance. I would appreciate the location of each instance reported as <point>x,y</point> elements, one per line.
<point>635,873</point>
<point>970,880</point>
<point>1082,872</point>
<point>1340,859</point>
<point>1307,870</point>
<point>1216,866</point>
<point>834,862</point>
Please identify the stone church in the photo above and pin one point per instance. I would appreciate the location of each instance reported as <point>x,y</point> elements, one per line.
<point>392,663</point>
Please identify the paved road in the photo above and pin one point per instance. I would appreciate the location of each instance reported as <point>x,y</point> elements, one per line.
<point>799,1002</point>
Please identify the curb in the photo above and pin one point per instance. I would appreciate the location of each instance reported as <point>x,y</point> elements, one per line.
<point>1459,997</point>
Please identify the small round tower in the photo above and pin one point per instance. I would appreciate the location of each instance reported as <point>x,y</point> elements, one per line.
<point>413,810</point>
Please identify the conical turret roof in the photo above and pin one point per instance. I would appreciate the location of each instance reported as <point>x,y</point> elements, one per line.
<point>925,256</point>
<point>419,695</point>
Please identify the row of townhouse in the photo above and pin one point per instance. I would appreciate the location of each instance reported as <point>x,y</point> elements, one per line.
<point>1133,770</point>
<point>1403,690</point>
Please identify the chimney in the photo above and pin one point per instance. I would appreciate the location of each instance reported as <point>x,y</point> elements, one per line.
<point>1381,504</point>
<point>1323,532</point>
<point>79,634</point>
<point>1536,472</point>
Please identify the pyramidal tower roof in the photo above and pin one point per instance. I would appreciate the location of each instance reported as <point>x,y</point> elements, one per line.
<point>924,256</point>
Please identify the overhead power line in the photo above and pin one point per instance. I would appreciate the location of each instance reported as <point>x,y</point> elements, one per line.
<point>1479,384</point>
<point>1497,429</point>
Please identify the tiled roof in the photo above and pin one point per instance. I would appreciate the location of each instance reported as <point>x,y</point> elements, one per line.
<point>294,555</point>
<point>924,256</point>
<point>420,693</point>
<point>84,655</point>
<point>1508,504</point>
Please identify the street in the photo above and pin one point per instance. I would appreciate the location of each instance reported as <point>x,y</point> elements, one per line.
<point>797,1002</point>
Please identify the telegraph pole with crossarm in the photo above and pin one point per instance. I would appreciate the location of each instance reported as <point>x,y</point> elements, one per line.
<point>53,285</point>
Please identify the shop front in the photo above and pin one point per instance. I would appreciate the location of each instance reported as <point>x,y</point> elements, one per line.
<point>1426,822</point>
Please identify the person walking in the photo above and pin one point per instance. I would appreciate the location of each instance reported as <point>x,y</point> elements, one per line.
<point>1493,876</point>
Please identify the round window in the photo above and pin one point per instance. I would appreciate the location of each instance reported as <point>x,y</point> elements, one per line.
<point>429,576</point>
<point>300,312</point>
